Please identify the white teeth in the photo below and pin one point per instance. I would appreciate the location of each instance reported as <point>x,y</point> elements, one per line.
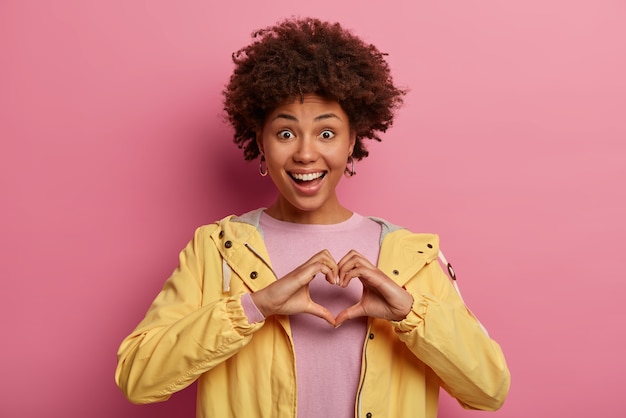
<point>307,177</point>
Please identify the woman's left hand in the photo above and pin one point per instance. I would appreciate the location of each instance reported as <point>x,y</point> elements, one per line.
<point>382,297</point>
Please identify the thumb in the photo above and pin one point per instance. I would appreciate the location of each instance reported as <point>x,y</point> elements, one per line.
<point>321,312</point>
<point>351,312</point>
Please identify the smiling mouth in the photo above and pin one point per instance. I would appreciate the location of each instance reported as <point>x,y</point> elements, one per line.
<point>303,178</point>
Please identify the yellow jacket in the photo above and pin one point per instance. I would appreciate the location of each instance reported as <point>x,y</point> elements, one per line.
<point>196,329</point>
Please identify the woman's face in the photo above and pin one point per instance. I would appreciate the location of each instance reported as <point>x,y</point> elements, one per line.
<point>306,146</point>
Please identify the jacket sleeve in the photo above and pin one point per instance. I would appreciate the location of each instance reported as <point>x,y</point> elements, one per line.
<point>187,330</point>
<point>446,336</point>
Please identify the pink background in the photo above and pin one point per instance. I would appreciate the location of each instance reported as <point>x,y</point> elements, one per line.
<point>512,146</point>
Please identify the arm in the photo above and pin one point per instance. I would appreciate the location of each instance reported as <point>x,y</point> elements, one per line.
<point>187,330</point>
<point>444,334</point>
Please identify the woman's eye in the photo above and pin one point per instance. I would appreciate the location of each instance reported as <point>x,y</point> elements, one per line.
<point>285,135</point>
<point>327,134</point>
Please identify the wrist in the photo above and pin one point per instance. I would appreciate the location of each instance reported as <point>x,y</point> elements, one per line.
<point>257,300</point>
<point>252,311</point>
<point>408,305</point>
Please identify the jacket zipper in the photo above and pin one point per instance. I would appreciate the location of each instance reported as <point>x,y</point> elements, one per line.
<point>360,393</point>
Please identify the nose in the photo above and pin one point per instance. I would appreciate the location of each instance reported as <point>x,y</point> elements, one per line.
<point>306,151</point>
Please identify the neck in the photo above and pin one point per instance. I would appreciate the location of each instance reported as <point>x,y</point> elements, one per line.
<point>288,213</point>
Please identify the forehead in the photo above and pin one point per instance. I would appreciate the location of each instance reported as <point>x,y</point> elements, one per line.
<point>309,107</point>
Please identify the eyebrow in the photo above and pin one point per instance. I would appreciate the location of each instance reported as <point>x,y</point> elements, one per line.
<point>316,119</point>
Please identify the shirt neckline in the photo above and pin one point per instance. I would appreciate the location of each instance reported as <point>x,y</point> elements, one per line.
<point>268,221</point>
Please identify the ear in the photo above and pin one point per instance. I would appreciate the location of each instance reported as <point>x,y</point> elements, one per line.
<point>352,142</point>
<point>259,140</point>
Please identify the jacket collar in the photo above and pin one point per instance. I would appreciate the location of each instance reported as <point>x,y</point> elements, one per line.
<point>254,218</point>
<point>238,237</point>
<point>251,218</point>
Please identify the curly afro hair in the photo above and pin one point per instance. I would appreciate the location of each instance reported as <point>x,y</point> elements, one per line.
<point>308,56</point>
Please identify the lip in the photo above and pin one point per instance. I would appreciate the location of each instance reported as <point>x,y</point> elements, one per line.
<point>306,175</point>
<point>308,187</point>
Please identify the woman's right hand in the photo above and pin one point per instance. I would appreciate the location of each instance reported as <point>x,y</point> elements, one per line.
<point>290,295</point>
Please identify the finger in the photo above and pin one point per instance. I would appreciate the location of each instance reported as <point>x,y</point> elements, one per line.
<point>350,264</point>
<point>327,259</point>
<point>352,257</point>
<point>348,257</point>
<point>308,272</point>
<point>346,266</point>
<point>332,278</point>
<point>321,312</point>
<point>351,312</point>
<point>346,276</point>
<point>363,273</point>
<point>330,272</point>
<point>368,273</point>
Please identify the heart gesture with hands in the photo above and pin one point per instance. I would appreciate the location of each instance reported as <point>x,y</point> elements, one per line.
<point>290,295</point>
<point>382,297</point>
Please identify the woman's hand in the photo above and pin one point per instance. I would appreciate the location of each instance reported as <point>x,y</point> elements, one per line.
<point>382,297</point>
<point>290,295</point>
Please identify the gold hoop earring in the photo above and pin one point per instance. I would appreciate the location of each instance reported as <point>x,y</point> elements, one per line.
<point>349,172</point>
<point>262,171</point>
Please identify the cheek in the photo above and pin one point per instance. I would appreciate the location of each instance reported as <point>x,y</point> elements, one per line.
<point>273,159</point>
<point>340,160</point>
<point>275,166</point>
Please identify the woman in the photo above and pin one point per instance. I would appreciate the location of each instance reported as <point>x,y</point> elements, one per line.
<point>306,308</point>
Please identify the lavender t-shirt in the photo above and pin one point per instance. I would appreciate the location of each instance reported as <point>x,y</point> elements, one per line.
<point>328,360</point>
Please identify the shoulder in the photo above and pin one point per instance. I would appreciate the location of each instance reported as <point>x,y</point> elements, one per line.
<point>232,225</point>
<point>401,240</point>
